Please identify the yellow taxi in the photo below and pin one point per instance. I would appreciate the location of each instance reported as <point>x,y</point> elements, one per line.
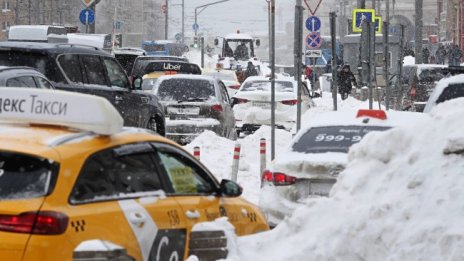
<point>74,182</point>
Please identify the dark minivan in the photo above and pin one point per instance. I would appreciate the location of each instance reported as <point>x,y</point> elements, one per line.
<point>88,70</point>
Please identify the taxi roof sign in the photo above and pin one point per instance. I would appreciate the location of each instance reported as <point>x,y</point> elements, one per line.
<point>59,108</point>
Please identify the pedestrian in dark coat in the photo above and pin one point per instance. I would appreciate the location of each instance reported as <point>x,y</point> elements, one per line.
<point>250,70</point>
<point>440,54</point>
<point>425,55</point>
<point>456,55</point>
<point>346,80</point>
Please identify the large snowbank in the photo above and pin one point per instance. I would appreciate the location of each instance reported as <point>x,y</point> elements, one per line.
<point>217,152</point>
<point>400,198</point>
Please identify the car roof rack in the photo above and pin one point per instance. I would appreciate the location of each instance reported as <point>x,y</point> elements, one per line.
<point>76,45</point>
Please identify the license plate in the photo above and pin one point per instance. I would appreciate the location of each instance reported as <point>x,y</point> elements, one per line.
<point>262,105</point>
<point>184,111</point>
<point>320,188</point>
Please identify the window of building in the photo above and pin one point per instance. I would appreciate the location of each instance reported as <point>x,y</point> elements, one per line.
<point>6,5</point>
<point>6,26</point>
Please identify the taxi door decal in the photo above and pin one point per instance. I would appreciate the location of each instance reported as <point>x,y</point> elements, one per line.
<point>143,226</point>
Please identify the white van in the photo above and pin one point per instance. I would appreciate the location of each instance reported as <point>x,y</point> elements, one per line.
<point>102,41</point>
<point>38,33</point>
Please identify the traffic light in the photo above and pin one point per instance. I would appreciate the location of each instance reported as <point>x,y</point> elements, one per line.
<point>196,43</point>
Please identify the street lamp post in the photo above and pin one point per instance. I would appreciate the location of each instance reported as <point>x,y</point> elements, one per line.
<point>203,8</point>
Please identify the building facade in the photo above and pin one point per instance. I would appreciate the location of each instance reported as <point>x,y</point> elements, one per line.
<point>7,17</point>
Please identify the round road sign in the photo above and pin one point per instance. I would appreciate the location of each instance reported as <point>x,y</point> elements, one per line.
<point>313,23</point>
<point>314,40</point>
<point>87,16</point>
<point>195,27</point>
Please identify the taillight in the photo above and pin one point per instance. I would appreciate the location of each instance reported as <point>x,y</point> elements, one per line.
<point>42,223</point>
<point>235,87</point>
<point>277,178</point>
<point>239,100</point>
<point>267,176</point>
<point>217,108</point>
<point>281,179</point>
<point>290,102</point>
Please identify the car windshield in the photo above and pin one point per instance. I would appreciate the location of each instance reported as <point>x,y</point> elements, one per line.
<point>184,90</point>
<point>23,176</point>
<point>453,91</point>
<point>431,75</point>
<point>332,138</point>
<point>280,86</point>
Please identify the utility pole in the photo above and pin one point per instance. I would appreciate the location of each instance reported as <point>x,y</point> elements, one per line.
<point>418,36</point>
<point>269,27</point>
<point>203,7</point>
<point>399,96</point>
<point>386,64</point>
<point>166,16</point>
<point>333,34</point>
<point>183,22</point>
<point>202,48</point>
<point>298,40</point>
<point>273,141</point>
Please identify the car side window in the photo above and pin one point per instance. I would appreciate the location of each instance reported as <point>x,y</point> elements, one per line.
<point>225,96</point>
<point>185,176</point>
<point>94,70</point>
<point>43,83</point>
<point>116,74</point>
<point>23,81</point>
<point>71,66</point>
<point>117,173</point>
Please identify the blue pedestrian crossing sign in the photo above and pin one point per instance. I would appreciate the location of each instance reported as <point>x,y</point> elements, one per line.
<point>378,24</point>
<point>360,15</point>
<point>313,23</point>
<point>87,16</point>
<point>313,40</point>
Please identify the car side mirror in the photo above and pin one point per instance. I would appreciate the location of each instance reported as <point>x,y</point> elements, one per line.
<point>258,42</point>
<point>216,42</point>
<point>229,188</point>
<point>138,83</point>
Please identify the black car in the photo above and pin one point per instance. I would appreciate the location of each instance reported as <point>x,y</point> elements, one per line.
<point>88,70</point>
<point>22,76</point>
<point>193,104</point>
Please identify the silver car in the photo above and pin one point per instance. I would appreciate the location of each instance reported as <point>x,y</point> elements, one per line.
<point>193,104</point>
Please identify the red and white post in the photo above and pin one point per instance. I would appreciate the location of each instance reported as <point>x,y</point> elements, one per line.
<point>262,156</point>
<point>235,162</point>
<point>196,152</point>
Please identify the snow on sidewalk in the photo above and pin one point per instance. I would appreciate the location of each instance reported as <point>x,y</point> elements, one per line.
<point>400,198</point>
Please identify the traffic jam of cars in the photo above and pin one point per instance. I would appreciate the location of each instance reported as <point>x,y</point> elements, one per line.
<point>94,158</point>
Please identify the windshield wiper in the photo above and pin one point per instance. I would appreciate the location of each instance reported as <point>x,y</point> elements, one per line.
<point>192,100</point>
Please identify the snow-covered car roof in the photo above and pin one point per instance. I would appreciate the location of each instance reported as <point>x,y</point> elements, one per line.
<point>349,117</point>
<point>440,87</point>
<point>238,37</point>
<point>129,50</point>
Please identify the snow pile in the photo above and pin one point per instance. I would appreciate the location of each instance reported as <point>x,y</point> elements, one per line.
<point>400,198</point>
<point>194,56</point>
<point>409,60</point>
<point>217,154</point>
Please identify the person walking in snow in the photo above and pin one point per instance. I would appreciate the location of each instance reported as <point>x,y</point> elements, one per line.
<point>455,55</point>
<point>346,81</point>
<point>440,54</point>
<point>425,55</point>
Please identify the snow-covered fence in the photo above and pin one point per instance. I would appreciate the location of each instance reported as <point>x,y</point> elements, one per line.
<point>235,162</point>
